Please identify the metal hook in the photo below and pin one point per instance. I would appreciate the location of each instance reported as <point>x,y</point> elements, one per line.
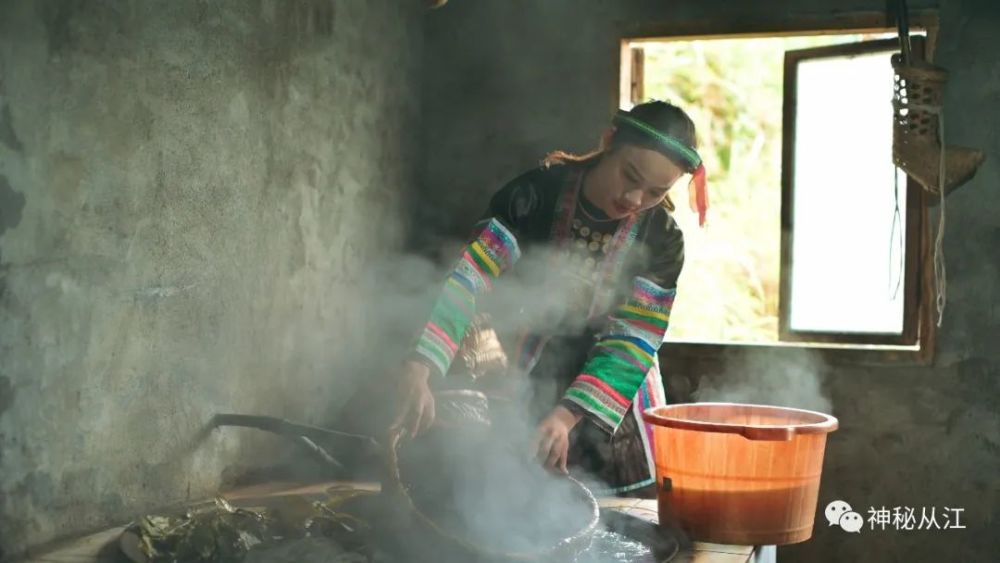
<point>903,23</point>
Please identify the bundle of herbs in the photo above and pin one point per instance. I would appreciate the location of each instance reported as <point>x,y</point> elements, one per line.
<point>219,532</point>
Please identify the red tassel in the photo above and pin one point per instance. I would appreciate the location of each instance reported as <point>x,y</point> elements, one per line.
<point>698,194</point>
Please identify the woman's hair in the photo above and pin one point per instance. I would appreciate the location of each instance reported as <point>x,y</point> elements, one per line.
<point>664,116</point>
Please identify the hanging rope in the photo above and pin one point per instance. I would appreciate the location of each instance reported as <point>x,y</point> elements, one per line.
<point>896,267</point>
<point>940,274</point>
<point>940,277</point>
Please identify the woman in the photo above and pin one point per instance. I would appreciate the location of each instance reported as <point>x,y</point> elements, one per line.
<point>611,282</point>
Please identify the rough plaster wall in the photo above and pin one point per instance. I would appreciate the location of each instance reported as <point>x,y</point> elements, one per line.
<point>188,195</point>
<point>541,76</point>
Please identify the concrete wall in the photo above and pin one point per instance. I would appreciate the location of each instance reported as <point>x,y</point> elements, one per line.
<point>189,194</point>
<point>506,81</point>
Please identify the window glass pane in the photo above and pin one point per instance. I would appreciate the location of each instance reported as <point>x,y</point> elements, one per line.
<point>732,89</point>
<point>847,254</point>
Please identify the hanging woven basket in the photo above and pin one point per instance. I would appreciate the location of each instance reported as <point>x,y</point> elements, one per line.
<point>918,96</point>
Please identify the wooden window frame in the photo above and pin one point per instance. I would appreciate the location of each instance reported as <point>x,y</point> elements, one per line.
<point>918,342</point>
<point>914,226</point>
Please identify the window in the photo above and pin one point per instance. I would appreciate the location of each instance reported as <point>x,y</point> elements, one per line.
<point>814,238</point>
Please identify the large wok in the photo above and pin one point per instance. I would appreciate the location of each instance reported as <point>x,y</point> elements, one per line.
<point>417,478</point>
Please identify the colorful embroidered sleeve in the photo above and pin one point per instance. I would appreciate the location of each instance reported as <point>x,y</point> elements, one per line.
<point>624,351</point>
<point>514,217</point>
<point>623,354</point>
<point>492,252</point>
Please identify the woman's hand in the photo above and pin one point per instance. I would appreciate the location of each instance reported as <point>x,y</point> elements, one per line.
<point>552,440</point>
<point>415,403</point>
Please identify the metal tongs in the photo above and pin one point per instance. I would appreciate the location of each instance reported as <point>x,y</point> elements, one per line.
<point>304,434</point>
<point>456,406</point>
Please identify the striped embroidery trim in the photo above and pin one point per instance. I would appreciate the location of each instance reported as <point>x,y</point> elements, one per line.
<point>600,406</point>
<point>642,301</point>
<point>644,287</point>
<point>644,403</point>
<point>649,395</point>
<point>439,335</point>
<point>633,327</point>
<point>645,293</point>
<point>462,283</point>
<point>645,290</point>
<point>633,342</point>
<point>493,251</point>
<point>626,332</point>
<point>627,357</point>
<point>587,380</point>
<point>482,260</point>
<point>636,352</point>
<point>656,306</point>
<point>499,238</point>
<point>502,249</point>
<point>472,275</point>
<point>619,374</point>
<point>646,313</point>
<point>434,352</point>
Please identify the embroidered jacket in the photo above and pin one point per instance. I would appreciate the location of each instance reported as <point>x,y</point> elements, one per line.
<point>625,270</point>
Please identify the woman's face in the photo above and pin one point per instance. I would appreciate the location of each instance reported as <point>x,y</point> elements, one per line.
<point>629,180</point>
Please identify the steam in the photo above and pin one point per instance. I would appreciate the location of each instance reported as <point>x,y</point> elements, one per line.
<point>792,377</point>
<point>400,290</point>
<point>497,495</point>
<point>501,491</point>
